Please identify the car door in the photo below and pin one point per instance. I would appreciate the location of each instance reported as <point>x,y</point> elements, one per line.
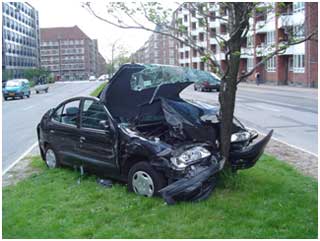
<point>64,131</point>
<point>97,142</point>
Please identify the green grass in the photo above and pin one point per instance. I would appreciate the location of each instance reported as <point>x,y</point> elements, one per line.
<point>270,200</point>
<point>98,89</point>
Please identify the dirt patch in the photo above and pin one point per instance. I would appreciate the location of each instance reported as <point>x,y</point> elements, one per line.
<point>304,162</point>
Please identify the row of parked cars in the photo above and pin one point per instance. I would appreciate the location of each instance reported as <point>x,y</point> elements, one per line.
<point>20,88</point>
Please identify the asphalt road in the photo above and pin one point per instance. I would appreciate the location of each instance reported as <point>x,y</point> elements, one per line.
<point>20,117</point>
<point>291,112</point>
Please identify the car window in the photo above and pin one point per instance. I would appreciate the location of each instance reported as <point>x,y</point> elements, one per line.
<point>57,114</point>
<point>92,113</point>
<point>68,113</point>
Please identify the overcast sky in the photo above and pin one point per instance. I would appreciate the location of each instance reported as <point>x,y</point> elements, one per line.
<point>53,13</point>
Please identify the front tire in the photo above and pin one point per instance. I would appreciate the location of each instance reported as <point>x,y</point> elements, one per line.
<point>144,180</point>
<point>51,158</point>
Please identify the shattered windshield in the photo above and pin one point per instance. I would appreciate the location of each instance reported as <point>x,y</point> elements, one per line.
<point>155,75</point>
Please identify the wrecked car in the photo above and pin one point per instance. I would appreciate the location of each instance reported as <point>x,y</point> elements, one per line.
<point>139,131</point>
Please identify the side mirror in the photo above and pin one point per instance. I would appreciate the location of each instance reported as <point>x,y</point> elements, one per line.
<point>104,124</point>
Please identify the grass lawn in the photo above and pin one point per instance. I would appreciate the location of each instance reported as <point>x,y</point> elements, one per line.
<point>271,200</point>
<point>98,89</point>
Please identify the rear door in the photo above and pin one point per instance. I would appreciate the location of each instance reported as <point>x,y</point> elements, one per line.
<point>97,141</point>
<point>64,131</point>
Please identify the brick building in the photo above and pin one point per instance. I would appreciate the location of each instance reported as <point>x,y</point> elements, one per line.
<point>297,66</point>
<point>69,53</point>
<point>20,39</point>
<point>159,49</point>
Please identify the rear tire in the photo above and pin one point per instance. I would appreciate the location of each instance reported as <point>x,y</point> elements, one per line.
<point>37,92</point>
<point>51,158</point>
<point>144,180</point>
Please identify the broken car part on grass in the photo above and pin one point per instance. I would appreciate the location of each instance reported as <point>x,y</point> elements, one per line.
<point>141,132</point>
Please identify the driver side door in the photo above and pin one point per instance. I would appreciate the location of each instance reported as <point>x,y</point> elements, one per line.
<point>97,142</point>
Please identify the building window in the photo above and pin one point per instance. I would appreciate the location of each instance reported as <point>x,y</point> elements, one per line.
<point>186,54</point>
<point>201,37</point>
<point>185,18</point>
<point>270,37</point>
<point>213,48</point>
<point>195,65</point>
<point>194,53</point>
<point>194,38</point>
<point>212,16</point>
<point>271,64</point>
<point>201,22</point>
<point>202,65</point>
<point>194,25</point>
<point>213,32</point>
<point>249,64</point>
<point>298,31</point>
<point>181,55</point>
<point>298,7</point>
<point>250,41</point>
<point>298,63</point>
<point>193,13</point>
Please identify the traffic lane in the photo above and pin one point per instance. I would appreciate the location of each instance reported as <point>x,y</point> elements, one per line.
<point>303,102</point>
<point>20,117</point>
<point>291,124</point>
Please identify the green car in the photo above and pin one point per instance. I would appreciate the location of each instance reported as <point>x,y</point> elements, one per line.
<point>16,88</point>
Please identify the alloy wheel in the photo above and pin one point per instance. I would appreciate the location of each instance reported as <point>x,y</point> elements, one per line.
<point>142,184</point>
<point>51,159</point>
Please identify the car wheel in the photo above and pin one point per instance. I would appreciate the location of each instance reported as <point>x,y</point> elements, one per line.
<point>46,90</point>
<point>51,158</point>
<point>194,87</point>
<point>37,92</point>
<point>5,98</point>
<point>144,180</point>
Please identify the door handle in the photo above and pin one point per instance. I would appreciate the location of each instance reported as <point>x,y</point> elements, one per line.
<point>82,139</point>
<point>52,131</point>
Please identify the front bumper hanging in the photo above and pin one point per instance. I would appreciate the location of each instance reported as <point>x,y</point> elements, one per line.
<point>248,156</point>
<point>194,188</point>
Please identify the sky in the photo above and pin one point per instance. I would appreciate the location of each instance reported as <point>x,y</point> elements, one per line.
<point>56,13</point>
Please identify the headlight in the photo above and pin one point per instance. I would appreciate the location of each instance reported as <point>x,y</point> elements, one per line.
<point>240,136</point>
<point>190,156</point>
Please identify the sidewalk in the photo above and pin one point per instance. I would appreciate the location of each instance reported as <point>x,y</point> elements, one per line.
<point>267,86</point>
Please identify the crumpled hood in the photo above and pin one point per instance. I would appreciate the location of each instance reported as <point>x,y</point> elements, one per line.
<point>124,103</point>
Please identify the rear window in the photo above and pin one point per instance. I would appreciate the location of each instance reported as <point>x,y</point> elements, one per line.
<point>155,75</point>
<point>13,84</point>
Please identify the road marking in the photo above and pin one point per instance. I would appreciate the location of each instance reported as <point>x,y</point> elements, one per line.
<point>20,158</point>
<point>28,108</point>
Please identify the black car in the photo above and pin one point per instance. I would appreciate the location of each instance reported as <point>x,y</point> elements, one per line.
<point>208,82</point>
<point>141,132</point>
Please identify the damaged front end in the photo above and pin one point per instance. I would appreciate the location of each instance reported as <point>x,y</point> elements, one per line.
<point>180,138</point>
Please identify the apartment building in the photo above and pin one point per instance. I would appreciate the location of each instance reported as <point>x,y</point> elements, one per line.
<point>69,53</point>
<point>20,39</point>
<point>159,49</point>
<point>296,66</point>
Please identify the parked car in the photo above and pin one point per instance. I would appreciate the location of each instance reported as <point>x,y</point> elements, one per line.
<point>92,78</point>
<point>42,86</point>
<point>209,83</point>
<point>103,77</point>
<point>141,132</point>
<point>16,88</point>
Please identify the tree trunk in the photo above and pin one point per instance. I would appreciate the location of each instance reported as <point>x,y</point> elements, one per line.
<point>227,98</point>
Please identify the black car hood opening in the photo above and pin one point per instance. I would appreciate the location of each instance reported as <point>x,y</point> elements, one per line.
<point>125,103</point>
<point>135,85</point>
